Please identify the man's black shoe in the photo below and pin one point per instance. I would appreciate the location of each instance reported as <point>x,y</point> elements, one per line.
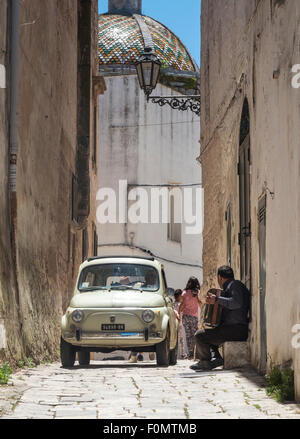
<point>216,362</point>
<point>207,365</point>
<point>201,365</point>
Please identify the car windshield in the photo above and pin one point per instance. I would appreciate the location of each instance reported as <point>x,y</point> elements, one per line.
<point>119,277</point>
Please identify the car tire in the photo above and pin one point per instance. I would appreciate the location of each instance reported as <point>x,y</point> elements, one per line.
<point>84,358</point>
<point>163,351</point>
<point>67,354</point>
<point>174,355</point>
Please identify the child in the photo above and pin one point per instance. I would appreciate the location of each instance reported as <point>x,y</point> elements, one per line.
<point>189,308</point>
<point>178,301</point>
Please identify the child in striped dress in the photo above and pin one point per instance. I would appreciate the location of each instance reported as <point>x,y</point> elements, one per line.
<point>178,300</point>
<point>189,308</point>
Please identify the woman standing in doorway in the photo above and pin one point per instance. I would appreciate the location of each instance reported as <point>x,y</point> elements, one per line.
<point>189,309</point>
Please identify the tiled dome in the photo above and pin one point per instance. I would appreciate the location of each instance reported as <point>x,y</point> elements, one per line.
<point>121,42</point>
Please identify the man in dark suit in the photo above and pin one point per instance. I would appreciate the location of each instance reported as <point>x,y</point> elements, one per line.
<point>235,301</point>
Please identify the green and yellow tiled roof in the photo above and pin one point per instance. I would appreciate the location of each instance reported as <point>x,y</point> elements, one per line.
<point>121,42</point>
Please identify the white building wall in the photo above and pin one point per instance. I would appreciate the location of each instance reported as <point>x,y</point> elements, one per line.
<point>146,144</point>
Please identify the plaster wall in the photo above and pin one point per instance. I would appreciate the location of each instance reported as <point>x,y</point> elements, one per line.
<point>9,326</point>
<point>147,145</point>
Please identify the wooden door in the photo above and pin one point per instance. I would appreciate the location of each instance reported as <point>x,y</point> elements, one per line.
<point>245,217</point>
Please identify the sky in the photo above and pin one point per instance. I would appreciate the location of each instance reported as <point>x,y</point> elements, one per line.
<point>180,16</point>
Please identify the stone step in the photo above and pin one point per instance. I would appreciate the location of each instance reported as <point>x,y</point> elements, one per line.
<point>235,354</point>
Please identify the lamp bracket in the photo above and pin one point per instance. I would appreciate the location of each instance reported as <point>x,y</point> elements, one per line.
<point>182,103</point>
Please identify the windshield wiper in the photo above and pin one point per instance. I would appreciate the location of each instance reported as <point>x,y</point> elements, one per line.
<point>124,288</point>
<point>92,289</point>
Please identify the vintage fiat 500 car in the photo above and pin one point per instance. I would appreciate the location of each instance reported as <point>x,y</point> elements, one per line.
<point>120,303</point>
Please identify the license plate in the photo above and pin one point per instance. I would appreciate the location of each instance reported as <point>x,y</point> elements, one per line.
<point>115,327</point>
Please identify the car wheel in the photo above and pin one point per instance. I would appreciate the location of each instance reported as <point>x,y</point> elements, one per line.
<point>84,358</point>
<point>174,355</point>
<point>67,354</point>
<point>163,351</point>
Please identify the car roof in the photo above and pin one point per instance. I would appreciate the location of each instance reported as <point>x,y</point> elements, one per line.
<point>122,259</point>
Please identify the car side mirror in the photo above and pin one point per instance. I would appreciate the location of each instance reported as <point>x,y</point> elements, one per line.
<point>171,291</point>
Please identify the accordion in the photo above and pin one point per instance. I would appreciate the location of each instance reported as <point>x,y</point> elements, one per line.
<point>212,313</point>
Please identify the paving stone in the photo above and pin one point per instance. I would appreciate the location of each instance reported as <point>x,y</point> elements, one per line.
<point>74,413</point>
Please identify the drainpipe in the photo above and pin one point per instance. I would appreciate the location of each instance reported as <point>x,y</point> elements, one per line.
<point>13,123</point>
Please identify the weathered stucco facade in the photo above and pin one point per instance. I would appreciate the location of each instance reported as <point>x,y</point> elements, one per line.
<point>48,174</point>
<point>149,146</point>
<point>144,144</point>
<point>248,50</point>
<point>9,326</point>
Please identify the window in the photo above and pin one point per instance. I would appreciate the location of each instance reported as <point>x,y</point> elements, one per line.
<point>119,276</point>
<point>95,243</point>
<point>175,204</point>
<point>94,157</point>
<point>74,199</point>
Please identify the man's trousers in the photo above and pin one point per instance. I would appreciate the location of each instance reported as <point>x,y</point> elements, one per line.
<point>209,340</point>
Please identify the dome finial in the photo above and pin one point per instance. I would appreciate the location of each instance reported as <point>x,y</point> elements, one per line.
<point>125,7</point>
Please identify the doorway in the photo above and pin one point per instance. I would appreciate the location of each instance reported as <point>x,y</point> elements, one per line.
<point>244,190</point>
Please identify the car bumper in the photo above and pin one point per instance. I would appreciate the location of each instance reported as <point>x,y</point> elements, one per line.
<point>113,340</point>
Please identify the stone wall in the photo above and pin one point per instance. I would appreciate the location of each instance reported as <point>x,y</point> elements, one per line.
<point>10,338</point>
<point>248,50</point>
<point>48,242</point>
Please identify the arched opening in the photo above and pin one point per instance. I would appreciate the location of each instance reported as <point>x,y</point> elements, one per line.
<point>244,189</point>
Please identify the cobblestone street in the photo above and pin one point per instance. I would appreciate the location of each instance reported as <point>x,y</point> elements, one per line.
<point>118,390</point>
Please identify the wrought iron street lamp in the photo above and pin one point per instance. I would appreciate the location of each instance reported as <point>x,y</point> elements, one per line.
<point>148,70</point>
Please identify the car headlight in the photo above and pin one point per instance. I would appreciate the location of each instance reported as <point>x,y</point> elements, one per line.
<point>77,316</point>
<point>148,316</point>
